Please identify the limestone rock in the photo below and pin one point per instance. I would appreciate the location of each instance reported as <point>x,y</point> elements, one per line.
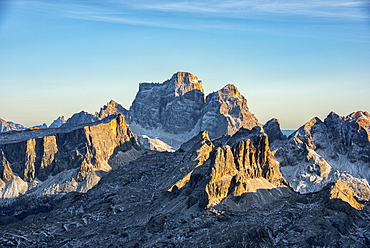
<point>341,191</point>
<point>322,152</point>
<point>239,164</point>
<point>225,112</point>
<point>173,106</point>
<point>276,137</point>
<point>40,155</point>
<point>176,110</point>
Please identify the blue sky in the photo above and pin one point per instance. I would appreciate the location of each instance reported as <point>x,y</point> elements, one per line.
<point>292,60</point>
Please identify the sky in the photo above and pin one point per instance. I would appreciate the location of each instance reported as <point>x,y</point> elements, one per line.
<point>292,60</point>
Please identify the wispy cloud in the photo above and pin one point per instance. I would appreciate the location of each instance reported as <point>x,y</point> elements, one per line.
<point>242,15</point>
<point>247,8</point>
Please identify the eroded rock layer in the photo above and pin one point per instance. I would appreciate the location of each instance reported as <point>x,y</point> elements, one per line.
<point>81,154</point>
<point>236,165</point>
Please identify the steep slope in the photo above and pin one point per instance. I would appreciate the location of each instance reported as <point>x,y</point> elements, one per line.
<point>237,164</point>
<point>8,125</point>
<point>176,110</point>
<point>131,206</point>
<point>168,111</point>
<point>275,135</point>
<point>322,152</point>
<point>225,112</point>
<point>51,161</point>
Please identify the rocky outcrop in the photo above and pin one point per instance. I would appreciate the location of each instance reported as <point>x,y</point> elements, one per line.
<point>276,137</point>
<point>340,190</point>
<point>321,152</point>
<point>173,106</point>
<point>112,108</point>
<point>177,110</point>
<point>80,118</point>
<point>225,112</point>
<point>8,125</point>
<point>61,160</point>
<point>236,165</point>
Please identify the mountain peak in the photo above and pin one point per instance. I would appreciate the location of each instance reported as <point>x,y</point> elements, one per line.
<point>111,108</point>
<point>359,115</point>
<point>230,89</point>
<point>185,82</point>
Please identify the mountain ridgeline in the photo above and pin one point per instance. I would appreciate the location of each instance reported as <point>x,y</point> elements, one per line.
<point>182,169</point>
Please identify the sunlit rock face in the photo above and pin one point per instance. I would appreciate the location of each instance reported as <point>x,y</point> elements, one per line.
<point>8,125</point>
<point>321,152</point>
<point>233,166</point>
<point>111,108</point>
<point>225,112</point>
<point>61,160</point>
<point>177,110</point>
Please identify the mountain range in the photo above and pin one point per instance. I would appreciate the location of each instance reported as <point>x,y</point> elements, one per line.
<point>182,169</point>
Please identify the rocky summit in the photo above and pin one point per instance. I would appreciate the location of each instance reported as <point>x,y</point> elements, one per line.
<point>176,110</point>
<point>186,170</point>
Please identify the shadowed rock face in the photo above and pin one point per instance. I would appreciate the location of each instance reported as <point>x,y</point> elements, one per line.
<point>174,106</point>
<point>238,164</point>
<point>131,207</point>
<point>272,129</point>
<point>322,152</point>
<point>58,122</point>
<point>84,151</point>
<point>178,107</point>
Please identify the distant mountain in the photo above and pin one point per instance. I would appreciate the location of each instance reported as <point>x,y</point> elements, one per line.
<point>322,152</point>
<point>41,126</point>
<point>81,118</point>
<point>8,125</point>
<point>176,110</point>
<point>99,181</point>
<point>58,122</point>
<point>226,192</point>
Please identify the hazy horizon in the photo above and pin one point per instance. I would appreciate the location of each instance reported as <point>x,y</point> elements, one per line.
<point>292,60</point>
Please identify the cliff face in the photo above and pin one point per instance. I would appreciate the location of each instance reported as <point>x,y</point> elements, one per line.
<point>235,165</point>
<point>177,110</point>
<point>78,155</point>
<point>225,112</point>
<point>173,106</point>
